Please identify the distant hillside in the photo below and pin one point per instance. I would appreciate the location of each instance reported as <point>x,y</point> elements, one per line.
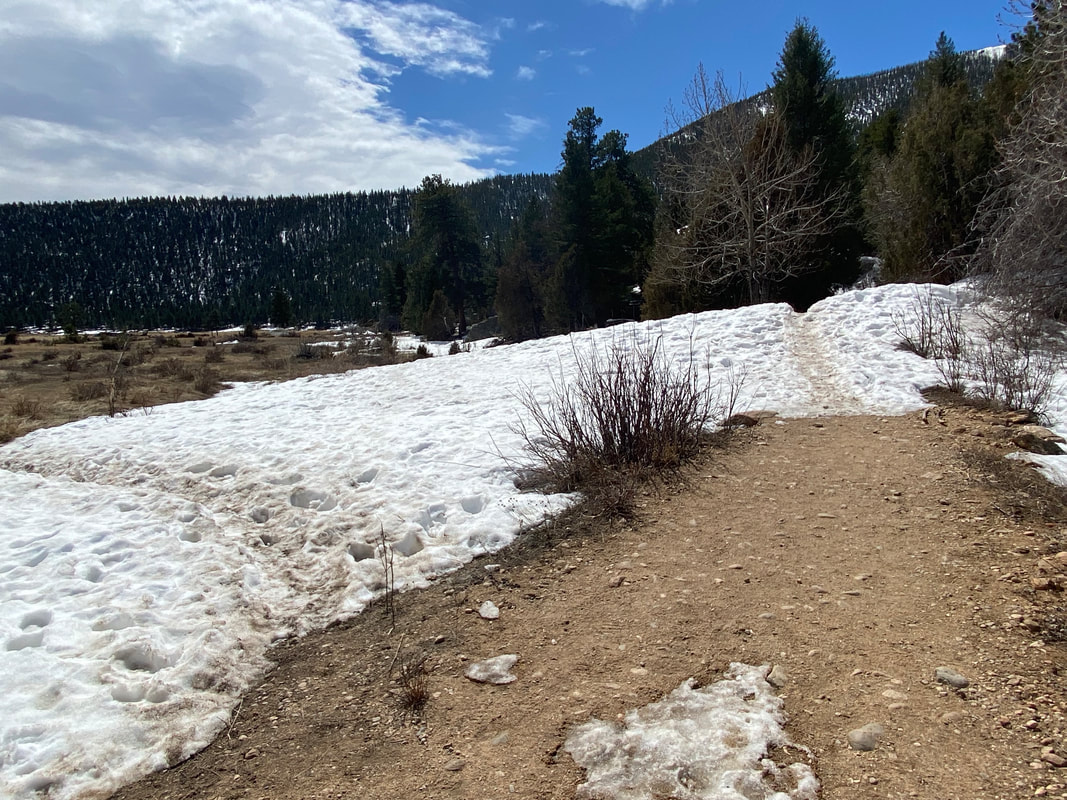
<point>195,262</point>
<point>866,96</point>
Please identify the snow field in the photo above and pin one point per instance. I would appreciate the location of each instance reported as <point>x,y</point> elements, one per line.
<point>147,562</point>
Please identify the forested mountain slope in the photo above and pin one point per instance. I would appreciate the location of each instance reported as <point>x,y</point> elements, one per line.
<point>203,262</point>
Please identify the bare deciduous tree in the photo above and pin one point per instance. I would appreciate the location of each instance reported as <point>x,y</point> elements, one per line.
<point>1023,221</point>
<point>750,206</point>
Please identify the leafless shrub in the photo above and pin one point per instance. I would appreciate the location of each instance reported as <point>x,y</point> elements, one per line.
<point>386,557</point>
<point>1014,363</point>
<point>10,428</point>
<point>26,407</point>
<point>422,351</point>
<point>933,328</point>
<point>72,363</point>
<point>625,415</point>
<point>206,381</point>
<point>214,355</point>
<point>11,337</point>
<point>85,391</point>
<point>1008,360</point>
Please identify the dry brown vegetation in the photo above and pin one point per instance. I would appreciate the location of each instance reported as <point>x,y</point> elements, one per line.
<point>48,380</point>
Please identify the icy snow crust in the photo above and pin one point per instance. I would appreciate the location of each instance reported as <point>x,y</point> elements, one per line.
<point>147,562</point>
<point>694,744</point>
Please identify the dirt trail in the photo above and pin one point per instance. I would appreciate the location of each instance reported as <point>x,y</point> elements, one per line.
<point>857,553</point>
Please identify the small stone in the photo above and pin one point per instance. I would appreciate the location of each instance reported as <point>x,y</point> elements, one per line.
<point>615,582</point>
<point>866,738</point>
<point>778,677</point>
<point>488,610</point>
<point>455,765</point>
<point>894,695</point>
<point>952,718</point>
<point>1054,759</point>
<point>496,671</point>
<point>253,753</point>
<point>951,677</point>
<point>260,515</point>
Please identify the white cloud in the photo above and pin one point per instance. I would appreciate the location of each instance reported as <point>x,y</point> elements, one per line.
<point>633,5</point>
<point>526,73</point>
<point>103,98</point>
<point>581,53</point>
<point>521,126</point>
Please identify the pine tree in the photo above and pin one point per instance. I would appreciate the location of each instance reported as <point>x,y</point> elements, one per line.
<point>605,215</point>
<point>814,117</point>
<point>449,254</point>
<point>921,201</point>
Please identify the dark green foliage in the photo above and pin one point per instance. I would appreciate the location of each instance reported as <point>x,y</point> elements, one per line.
<point>439,320</point>
<point>523,277</point>
<point>70,316</point>
<point>281,309</point>
<point>922,196</point>
<point>450,257</point>
<point>604,219</point>
<point>205,263</point>
<point>813,112</point>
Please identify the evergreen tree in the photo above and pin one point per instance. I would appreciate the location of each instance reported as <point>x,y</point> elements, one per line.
<point>449,253</point>
<point>523,277</point>
<point>281,309</point>
<point>605,215</point>
<point>814,116</point>
<point>921,201</point>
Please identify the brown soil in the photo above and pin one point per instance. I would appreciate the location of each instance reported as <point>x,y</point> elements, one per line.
<point>857,553</point>
<point>48,380</point>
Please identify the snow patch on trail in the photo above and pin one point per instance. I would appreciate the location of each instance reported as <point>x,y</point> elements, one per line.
<point>705,744</point>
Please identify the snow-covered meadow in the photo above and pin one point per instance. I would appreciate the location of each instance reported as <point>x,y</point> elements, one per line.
<point>147,562</point>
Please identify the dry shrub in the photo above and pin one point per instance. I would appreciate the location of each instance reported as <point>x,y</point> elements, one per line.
<point>214,355</point>
<point>206,381</point>
<point>26,407</point>
<point>11,337</point>
<point>72,363</point>
<point>10,428</point>
<point>422,351</point>
<point>172,368</point>
<point>85,391</point>
<point>413,677</point>
<point>626,415</point>
<point>1009,360</point>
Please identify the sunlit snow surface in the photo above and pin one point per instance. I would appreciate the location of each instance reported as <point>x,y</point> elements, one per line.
<point>147,562</point>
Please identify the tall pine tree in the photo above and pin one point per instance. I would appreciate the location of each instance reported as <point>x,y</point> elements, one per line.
<point>814,116</point>
<point>605,215</point>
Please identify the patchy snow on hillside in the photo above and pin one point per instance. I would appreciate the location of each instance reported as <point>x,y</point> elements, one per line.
<point>147,562</point>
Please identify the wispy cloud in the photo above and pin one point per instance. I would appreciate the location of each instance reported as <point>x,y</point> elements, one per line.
<point>421,35</point>
<point>520,126</point>
<point>633,5</point>
<point>102,99</point>
<point>581,53</point>
<point>526,73</point>
<point>533,27</point>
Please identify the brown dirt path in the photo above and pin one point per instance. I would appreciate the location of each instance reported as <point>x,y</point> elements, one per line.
<point>858,553</point>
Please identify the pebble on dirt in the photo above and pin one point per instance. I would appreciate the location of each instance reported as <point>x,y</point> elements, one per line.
<point>866,738</point>
<point>949,676</point>
<point>496,671</point>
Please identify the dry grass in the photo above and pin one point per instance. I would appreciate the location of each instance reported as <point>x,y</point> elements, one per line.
<point>59,381</point>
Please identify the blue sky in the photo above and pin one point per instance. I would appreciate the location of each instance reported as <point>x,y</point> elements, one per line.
<point>124,98</point>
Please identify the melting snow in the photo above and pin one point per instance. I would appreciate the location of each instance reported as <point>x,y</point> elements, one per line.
<point>711,743</point>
